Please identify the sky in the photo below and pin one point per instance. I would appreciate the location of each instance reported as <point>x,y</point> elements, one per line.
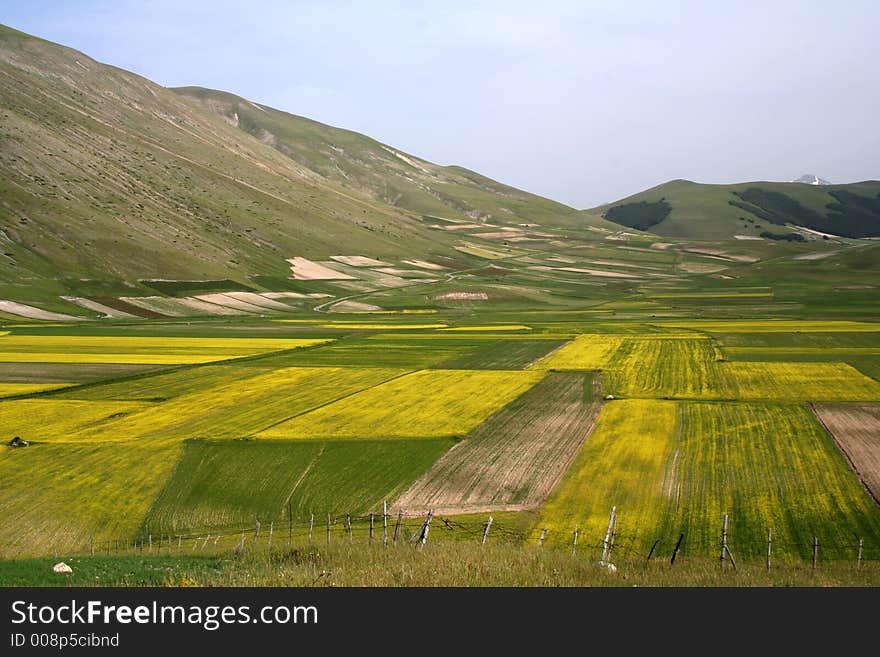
<point>583,102</point>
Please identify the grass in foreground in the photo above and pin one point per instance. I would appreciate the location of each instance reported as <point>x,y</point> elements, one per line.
<point>439,564</point>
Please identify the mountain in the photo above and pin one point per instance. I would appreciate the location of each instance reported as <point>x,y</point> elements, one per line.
<point>681,208</point>
<point>107,178</point>
<point>811,179</point>
<point>386,174</point>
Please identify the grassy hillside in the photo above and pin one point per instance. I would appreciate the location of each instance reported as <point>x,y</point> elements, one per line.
<point>358,162</point>
<point>107,178</point>
<point>682,208</point>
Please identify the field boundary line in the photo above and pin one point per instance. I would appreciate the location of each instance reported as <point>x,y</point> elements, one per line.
<point>547,355</point>
<point>333,401</point>
<point>597,406</point>
<point>303,475</point>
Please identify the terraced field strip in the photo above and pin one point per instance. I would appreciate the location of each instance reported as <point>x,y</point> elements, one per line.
<point>516,456</point>
<point>379,351</point>
<point>856,430</point>
<point>57,497</point>
<point>585,352</point>
<point>801,381</point>
<point>364,326</point>
<point>131,349</point>
<point>15,389</point>
<point>772,326</point>
<point>692,367</point>
<point>232,483</point>
<point>57,420</point>
<point>675,368</point>
<point>678,467</point>
<point>239,408</point>
<point>503,354</point>
<point>69,372</point>
<point>489,328</point>
<point>429,403</point>
<point>800,353</point>
<point>162,385</point>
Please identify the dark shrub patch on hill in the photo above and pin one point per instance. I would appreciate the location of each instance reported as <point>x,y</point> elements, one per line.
<point>641,215</point>
<point>851,216</point>
<point>860,215</point>
<point>785,237</point>
<point>185,288</point>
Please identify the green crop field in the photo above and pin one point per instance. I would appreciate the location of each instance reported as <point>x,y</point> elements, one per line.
<point>240,408</point>
<point>678,467</point>
<point>59,497</point>
<point>59,420</point>
<point>219,485</point>
<point>426,403</point>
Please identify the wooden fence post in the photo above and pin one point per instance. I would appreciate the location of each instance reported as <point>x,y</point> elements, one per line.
<point>92,547</point>
<point>397,526</point>
<point>815,551</point>
<point>859,555</point>
<point>574,542</point>
<point>348,526</point>
<point>205,542</point>
<point>328,529</point>
<point>256,532</point>
<point>151,543</point>
<point>769,546</point>
<point>384,523</point>
<point>271,528</point>
<point>372,517</point>
<point>311,527</point>
<point>608,534</point>
<point>723,539</point>
<point>426,528</point>
<point>542,537</point>
<point>651,551</point>
<point>675,551</point>
<point>486,531</point>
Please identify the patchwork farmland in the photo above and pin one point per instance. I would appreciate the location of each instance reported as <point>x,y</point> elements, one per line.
<point>542,418</point>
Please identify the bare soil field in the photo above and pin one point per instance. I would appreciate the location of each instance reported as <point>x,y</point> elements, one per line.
<point>856,430</point>
<point>304,270</point>
<point>23,310</point>
<point>513,460</point>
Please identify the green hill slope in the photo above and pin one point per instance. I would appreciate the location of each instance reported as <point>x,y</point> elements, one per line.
<point>686,209</point>
<point>108,177</point>
<point>358,162</point>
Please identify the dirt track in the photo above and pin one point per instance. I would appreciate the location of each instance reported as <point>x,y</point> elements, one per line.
<point>856,430</point>
<point>514,459</point>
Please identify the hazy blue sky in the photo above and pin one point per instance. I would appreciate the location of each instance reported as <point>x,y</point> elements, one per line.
<point>581,101</point>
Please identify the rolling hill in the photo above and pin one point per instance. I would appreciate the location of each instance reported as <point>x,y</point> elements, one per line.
<point>107,178</point>
<point>685,209</point>
<point>360,163</point>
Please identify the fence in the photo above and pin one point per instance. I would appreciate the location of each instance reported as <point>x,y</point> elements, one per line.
<point>393,529</point>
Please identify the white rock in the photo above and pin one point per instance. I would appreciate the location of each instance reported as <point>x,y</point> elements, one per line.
<point>62,567</point>
<point>609,396</point>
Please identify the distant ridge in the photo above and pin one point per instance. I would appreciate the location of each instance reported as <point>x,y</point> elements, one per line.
<point>811,179</point>
<point>682,208</point>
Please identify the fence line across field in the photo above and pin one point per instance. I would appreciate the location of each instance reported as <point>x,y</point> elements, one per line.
<point>416,530</point>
